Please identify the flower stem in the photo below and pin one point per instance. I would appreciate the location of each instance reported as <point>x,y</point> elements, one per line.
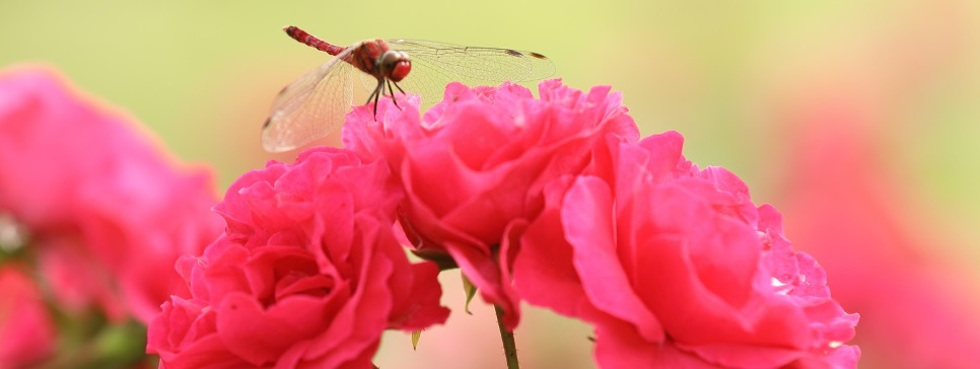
<point>507,338</point>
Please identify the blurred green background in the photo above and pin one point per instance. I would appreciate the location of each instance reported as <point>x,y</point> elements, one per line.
<point>730,76</point>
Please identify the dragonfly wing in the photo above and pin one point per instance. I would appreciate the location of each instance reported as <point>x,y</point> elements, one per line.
<point>484,63</point>
<point>435,64</point>
<point>311,107</point>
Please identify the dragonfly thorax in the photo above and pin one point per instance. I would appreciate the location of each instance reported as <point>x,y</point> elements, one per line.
<point>394,65</point>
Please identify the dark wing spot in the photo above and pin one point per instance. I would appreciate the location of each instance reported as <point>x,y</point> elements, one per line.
<point>539,56</point>
<point>514,53</point>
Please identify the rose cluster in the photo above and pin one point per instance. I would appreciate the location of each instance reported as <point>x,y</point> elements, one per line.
<point>93,215</point>
<point>552,200</point>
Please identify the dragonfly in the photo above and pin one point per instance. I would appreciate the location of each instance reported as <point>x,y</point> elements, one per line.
<point>315,105</point>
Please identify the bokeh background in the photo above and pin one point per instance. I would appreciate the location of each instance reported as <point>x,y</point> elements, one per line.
<point>859,120</point>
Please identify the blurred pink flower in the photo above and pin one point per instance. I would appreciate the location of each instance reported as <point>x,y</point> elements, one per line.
<point>857,218</point>
<point>107,210</point>
<point>474,166</point>
<point>307,275</point>
<point>675,267</point>
<point>27,333</point>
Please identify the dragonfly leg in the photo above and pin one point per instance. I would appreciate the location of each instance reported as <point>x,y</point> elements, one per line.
<point>392,93</point>
<point>396,85</point>
<point>378,91</point>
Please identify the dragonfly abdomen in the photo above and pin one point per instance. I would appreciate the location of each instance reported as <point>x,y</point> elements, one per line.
<point>312,41</point>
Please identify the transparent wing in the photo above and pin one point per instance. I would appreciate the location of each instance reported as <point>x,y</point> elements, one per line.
<point>435,64</point>
<point>311,107</point>
<point>482,63</point>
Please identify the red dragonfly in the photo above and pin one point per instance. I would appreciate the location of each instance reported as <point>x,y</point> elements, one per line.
<point>314,105</point>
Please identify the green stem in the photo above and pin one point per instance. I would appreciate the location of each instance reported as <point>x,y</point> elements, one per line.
<point>507,338</point>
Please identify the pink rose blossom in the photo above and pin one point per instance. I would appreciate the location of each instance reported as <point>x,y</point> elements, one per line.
<point>675,267</point>
<point>307,275</point>
<point>108,212</point>
<point>474,166</point>
<point>27,334</point>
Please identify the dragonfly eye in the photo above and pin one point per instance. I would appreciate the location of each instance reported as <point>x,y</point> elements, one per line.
<point>395,65</point>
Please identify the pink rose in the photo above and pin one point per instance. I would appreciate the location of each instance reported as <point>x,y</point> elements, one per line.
<point>474,166</point>
<point>307,275</point>
<point>675,267</point>
<point>107,210</point>
<point>27,334</point>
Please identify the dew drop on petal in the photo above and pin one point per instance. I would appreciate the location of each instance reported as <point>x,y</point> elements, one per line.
<point>777,283</point>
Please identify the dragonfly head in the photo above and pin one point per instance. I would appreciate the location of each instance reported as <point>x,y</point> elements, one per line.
<point>395,65</point>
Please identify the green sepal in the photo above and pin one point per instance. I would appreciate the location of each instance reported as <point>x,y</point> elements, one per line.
<point>415,339</point>
<point>470,290</point>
